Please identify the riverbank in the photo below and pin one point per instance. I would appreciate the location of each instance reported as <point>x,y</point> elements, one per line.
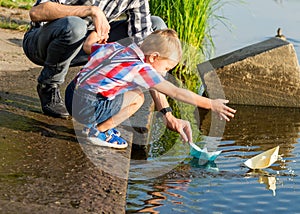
<point>43,166</point>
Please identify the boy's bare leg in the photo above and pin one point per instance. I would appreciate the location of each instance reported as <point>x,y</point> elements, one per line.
<point>132,101</point>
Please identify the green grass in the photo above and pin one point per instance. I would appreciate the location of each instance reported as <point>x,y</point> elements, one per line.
<point>7,23</point>
<point>13,26</point>
<point>191,21</point>
<point>22,4</point>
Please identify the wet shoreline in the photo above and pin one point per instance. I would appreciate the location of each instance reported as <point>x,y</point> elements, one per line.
<point>43,166</point>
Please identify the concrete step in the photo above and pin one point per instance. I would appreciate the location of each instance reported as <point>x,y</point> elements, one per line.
<point>266,74</point>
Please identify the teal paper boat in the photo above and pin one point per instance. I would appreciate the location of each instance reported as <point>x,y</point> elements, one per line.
<point>203,154</point>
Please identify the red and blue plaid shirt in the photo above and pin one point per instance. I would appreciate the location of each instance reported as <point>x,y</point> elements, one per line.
<point>126,71</point>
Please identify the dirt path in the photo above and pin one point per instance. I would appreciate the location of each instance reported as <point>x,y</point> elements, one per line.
<point>43,167</point>
<point>11,54</point>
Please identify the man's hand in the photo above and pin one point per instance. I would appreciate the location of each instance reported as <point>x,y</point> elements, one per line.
<point>50,11</point>
<point>183,127</point>
<point>101,24</point>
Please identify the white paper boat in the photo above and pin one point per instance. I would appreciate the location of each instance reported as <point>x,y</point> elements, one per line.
<point>263,160</point>
<point>203,154</point>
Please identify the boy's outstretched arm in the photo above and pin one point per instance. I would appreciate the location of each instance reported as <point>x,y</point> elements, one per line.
<point>184,95</point>
<point>183,127</point>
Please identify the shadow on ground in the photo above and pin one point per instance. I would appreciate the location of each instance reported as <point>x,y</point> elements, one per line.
<point>43,167</point>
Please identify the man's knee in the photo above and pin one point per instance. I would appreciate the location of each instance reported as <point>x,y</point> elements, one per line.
<point>75,27</point>
<point>158,23</point>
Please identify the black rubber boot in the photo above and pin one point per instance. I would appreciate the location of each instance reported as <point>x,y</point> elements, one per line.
<point>51,101</point>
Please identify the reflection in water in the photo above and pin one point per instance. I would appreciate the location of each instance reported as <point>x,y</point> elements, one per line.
<point>264,178</point>
<point>270,182</point>
<point>227,181</point>
<point>163,190</point>
<point>279,1</point>
<point>209,166</point>
<point>253,130</point>
<point>256,129</point>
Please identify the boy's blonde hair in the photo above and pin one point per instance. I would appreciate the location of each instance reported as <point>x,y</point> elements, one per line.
<point>165,42</point>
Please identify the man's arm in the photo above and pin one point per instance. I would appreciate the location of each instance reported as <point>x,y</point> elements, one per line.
<point>50,11</point>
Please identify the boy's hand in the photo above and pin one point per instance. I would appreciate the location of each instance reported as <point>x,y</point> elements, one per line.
<point>218,105</point>
<point>183,127</point>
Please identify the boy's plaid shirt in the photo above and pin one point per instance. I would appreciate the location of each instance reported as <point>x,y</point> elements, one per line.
<point>127,70</point>
<point>137,12</point>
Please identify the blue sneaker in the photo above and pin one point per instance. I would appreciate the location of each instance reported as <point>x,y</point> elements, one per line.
<point>115,132</point>
<point>108,139</point>
<point>86,130</point>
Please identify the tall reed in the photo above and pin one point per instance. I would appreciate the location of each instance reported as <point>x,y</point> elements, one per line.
<point>188,18</point>
<point>191,20</point>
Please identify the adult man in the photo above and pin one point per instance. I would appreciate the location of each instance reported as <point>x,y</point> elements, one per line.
<point>59,28</point>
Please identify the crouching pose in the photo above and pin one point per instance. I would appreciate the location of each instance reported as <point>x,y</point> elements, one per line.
<point>108,89</point>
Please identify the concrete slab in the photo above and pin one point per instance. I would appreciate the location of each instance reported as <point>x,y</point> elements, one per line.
<point>265,74</point>
<point>139,125</point>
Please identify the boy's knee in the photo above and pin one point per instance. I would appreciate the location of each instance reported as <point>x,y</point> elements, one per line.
<point>140,98</point>
<point>158,23</point>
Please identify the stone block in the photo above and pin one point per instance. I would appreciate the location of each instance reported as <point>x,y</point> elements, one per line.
<point>264,74</point>
<point>140,125</point>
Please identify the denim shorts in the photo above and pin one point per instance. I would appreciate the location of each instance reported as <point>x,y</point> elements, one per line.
<point>89,108</point>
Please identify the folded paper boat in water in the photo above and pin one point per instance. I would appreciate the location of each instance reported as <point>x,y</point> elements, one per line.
<point>203,154</point>
<point>263,160</point>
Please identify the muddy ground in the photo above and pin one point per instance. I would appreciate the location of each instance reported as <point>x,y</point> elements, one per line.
<point>43,167</point>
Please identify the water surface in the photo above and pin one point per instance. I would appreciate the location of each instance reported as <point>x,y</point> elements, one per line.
<point>254,21</point>
<point>227,186</point>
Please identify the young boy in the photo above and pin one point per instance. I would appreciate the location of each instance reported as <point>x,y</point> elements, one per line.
<point>107,90</point>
